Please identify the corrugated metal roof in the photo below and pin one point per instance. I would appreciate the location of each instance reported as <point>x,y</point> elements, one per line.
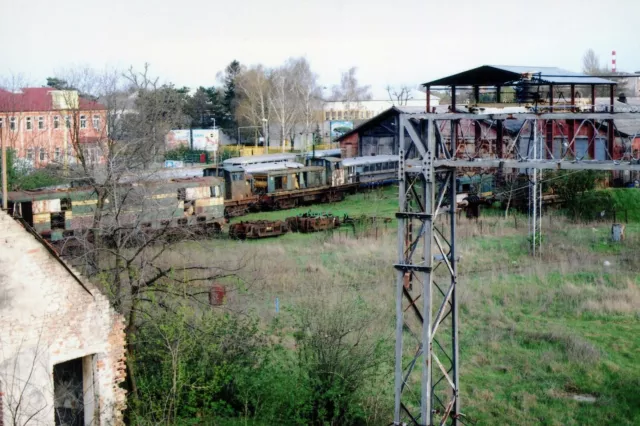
<point>495,75</point>
<point>253,159</point>
<point>266,167</point>
<point>375,119</point>
<point>371,159</point>
<point>322,153</point>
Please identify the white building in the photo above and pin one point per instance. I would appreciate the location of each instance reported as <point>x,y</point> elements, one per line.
<point>62,345</point>
<point>363,110</point>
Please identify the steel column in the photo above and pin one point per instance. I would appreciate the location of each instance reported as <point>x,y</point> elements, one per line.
<point>426,192</point>
<point>402,206</point>
<point>427,364</point>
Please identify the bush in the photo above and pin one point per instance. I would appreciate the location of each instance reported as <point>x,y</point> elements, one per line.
<point>22,176</point>
<point>183,153</point>
<point>328,378</point>
<point>186,363</point>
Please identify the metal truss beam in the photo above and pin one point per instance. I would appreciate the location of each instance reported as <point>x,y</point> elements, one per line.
<point>528,116</point>
<point>427,348</point>
<point>538,164</point>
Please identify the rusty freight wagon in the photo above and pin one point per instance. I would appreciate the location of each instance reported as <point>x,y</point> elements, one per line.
<point>60,213</point>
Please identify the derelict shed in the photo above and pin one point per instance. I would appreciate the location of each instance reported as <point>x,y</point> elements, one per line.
<point>376,136</point>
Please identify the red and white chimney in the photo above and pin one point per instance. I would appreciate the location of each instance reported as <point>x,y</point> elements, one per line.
<point>613,61</point>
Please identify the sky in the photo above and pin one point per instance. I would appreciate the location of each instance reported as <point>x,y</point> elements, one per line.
<point>395,43</point>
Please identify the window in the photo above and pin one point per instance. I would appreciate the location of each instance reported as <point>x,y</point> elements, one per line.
<point>30,154</point>
<point>41,123</point>
<point>1,122</point>
<point>67,121</point>
<point>327,115</point>
<point>29,124</point>
<point>12,123</point>
<point>42,154</point>
<point>56,122</point>
<point>56,154</point>
<point>96,122</point>
<point>83,121</point>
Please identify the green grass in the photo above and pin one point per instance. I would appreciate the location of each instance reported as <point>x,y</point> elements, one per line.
<point>534,332</point>
<point>379,202</point>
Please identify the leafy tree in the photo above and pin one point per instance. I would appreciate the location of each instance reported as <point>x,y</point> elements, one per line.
<point>25,178</point>
<point>576,190</point>
<point>58,83</point>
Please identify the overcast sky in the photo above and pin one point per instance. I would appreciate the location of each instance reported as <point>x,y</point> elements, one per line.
<point>391,42</point>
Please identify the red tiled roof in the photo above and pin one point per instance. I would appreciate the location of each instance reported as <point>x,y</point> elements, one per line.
<point>37,99</point>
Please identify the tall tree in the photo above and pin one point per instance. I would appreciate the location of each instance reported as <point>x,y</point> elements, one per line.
<point>253,90</point>
<point>199,108</point>
<point>230,97</point>
<point>591,63</point>
<point>591,66</point>
<point>284,101</point>
<point>308,95</point>
<point>349,91</point>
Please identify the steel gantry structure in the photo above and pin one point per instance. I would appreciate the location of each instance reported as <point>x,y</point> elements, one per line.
<point>427,355</point>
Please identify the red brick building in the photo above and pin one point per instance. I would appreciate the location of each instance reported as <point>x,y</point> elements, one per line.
<point>43,125</point>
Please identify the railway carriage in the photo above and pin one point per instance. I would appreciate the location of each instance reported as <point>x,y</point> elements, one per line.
<point>374,169</point>
<point>57,214</point>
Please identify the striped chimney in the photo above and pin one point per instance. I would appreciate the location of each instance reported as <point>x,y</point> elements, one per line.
<point>613,61</point>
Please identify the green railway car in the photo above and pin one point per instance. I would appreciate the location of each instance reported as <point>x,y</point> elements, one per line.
<point>60,213</point>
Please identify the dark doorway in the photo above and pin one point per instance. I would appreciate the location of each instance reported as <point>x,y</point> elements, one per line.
<point>68,393</point>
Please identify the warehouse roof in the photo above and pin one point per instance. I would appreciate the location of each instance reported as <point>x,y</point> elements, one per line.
<point>501,75</point>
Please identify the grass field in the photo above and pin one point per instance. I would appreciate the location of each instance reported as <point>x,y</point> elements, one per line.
<point>553,340</point>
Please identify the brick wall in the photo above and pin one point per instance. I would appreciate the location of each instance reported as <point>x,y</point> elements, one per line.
<point>49,315</point>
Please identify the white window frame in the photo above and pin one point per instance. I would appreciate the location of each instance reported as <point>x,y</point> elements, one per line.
<point>67,121</point>
<point>1,122</point>
<point>30,154</point>
<point>56,122</point>
<point>83,121</point>
<point>56,154</point>
<point>42,154</point>
<point>13,124</point>
<point>41,123</point>
<point>28,124</point>
<point>96,121</point>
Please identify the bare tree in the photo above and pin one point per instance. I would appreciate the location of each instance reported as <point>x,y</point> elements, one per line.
<point>253,86</point>
<point>399,96</point>
<point>591,63</point>
<point>349,91</point>
<point>284,99</point>
<point>309,94</point>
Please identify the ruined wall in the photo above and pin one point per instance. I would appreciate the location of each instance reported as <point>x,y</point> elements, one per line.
<point>48,316</point>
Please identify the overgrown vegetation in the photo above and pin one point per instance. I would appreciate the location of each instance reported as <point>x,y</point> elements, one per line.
<point>540,337</point>
<point>310,367</point>
<point>22,177</point>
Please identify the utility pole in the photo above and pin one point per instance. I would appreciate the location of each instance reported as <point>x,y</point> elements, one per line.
<point>4,171</point>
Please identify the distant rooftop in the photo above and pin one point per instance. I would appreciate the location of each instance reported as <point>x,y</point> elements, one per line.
<point>503,75</point>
